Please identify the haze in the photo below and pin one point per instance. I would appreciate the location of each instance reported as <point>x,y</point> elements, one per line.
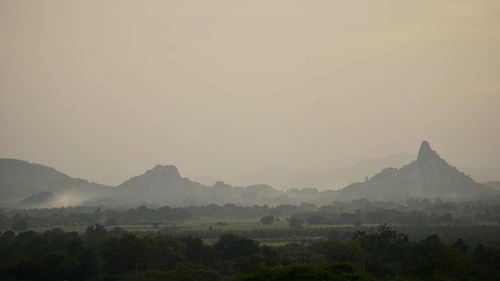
<point>104,90</point>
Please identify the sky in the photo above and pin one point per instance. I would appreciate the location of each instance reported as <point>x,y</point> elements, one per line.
<point>104,90</point>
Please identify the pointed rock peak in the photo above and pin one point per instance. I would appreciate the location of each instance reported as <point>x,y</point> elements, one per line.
<point>220,183</point>
<point>168,170</point>
<point>425,147</point>
<point>426,152</point>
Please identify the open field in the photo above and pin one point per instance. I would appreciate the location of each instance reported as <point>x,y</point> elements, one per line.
<point>207,225</point>
<point>279,233</point>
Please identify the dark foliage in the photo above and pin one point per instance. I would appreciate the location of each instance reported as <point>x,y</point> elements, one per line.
<point>376,254</point>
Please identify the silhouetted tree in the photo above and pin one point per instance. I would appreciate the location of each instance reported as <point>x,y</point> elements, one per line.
<point>296,222</point>
<point>267,220</point>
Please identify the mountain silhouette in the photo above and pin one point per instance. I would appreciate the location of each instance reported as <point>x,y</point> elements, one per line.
<point>28,185</point>
<point>493,184</point>
<point>163,184</point>
<point>285,178</point>
<point>19,180</point>
<point>39,200</point>
<point>429,176</point>
<point>159,179</point>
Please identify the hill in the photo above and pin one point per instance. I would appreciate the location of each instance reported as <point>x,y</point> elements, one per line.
<point>285,178</point>
<point>493,184</point>
<point>20,180</point>
<point>429,176</point>
<point>163,184</point>
<point>28,185</point>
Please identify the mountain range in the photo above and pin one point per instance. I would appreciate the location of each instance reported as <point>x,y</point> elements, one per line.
<point>28,185</point>
<point>285,178</point>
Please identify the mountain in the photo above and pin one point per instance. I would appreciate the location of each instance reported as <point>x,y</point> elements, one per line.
<point>161,184</point>
<point>484,174</point>
<point>493,184</point>
<point>164,185</point>
<point>38,200</point>
<point>159,179</point>
<point>29,185</point>
<point>427,177</point>
<point>19,180</point>
<point>284,178</point>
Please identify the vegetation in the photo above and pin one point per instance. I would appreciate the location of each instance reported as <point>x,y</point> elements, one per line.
<point>375,254</point>
<point>359,212</point>
<point>442,241</point>
<point>267,220</point>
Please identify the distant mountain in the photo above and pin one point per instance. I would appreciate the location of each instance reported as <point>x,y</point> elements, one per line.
<point>493,184</point>
<point>427,177</point>
<point>38,200</point>
<point>161,184</point>
<point>159,179</point>
<point>285,178</point>
<point>28,185</point>
<point>20,180</point>
<point>483,174</point>
<point>165,185</point>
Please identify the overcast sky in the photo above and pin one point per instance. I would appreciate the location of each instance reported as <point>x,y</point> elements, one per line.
<point>106,89</point>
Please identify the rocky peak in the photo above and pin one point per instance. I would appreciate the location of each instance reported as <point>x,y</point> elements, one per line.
<point>429,176</point>
<point>165,171</point>
<point>426,154</point>
<point>159,178</point>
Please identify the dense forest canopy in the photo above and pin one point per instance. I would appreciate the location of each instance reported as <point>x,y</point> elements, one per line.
<point>379,253</point>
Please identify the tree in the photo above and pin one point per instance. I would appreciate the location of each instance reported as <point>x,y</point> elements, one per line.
<point>336,271</point>
<point>461,246</point>
<point>231,246</point>
<point>96,232</point>
<point>20,225</point>
<point>296,222</point>
<point>267,220</point>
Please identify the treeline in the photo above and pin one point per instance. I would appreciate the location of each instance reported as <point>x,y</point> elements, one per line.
<point>376,254</point>
<point>140,215</point>
<point>473,235</point>
<point>417,218</point>
<point>359,212</point>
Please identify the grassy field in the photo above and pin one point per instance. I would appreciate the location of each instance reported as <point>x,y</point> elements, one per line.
<point>210,229</point>
<point>279,233</point>
<point>221,225</point>
<point>189,225</point>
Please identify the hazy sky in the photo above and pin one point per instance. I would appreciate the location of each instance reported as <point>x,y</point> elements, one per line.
<point>106,89</point>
